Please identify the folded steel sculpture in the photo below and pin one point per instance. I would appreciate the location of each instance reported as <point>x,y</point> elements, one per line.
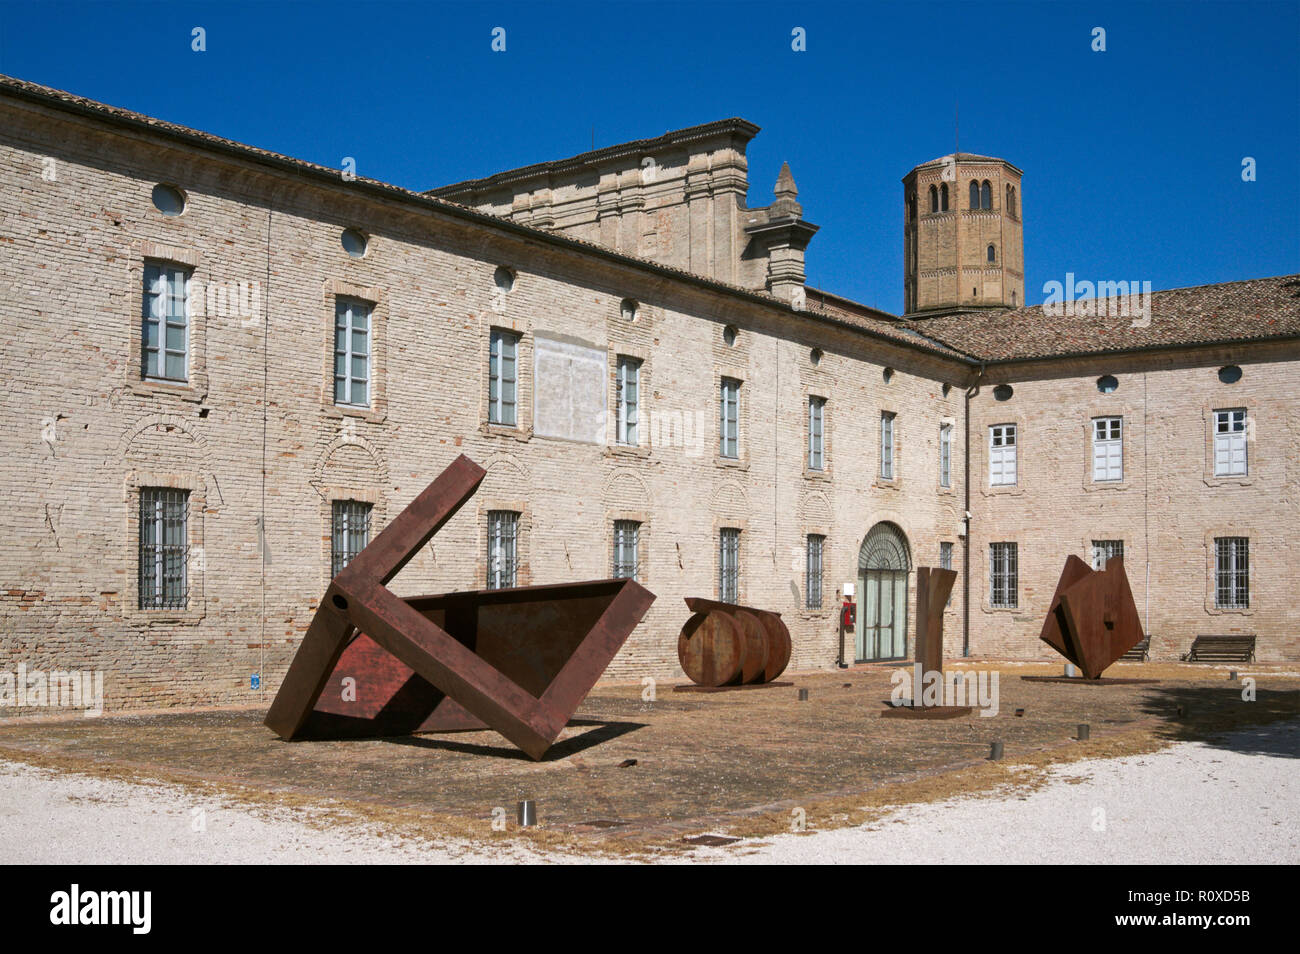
<point>519,661</point>
<point>1092,620</point>
<point>933,587</point>
<point>723,644</point>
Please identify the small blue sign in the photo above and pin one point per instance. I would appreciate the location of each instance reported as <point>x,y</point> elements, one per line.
<point>255,681</point>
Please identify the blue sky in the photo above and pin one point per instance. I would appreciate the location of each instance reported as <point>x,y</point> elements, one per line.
<point>1132,157</point>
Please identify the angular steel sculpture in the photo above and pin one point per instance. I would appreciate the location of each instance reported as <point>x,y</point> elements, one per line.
<point>1092,620</point>
<point>519,661</point>
<point>723,644</point>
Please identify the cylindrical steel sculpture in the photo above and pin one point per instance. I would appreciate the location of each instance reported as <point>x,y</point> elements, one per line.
<point>723,644</point>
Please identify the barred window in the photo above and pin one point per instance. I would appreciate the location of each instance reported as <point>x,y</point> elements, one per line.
<point>164,547</point>
<point>729,565</point>
<point>1103,550</point>
<point>503,549</point>
<point>813,572</point>
<point>628,399</point>
<point>1232,572</point>
<point>1003,582</point>
<point>351,353</point>
<point>886,445</point>
<point>816,433</point>
<point>349,534</point>
<point>503,377</point>
<point>165,333</point>
<point>945,563</point>
<point>1230,442</point>
<point>729,422</point>
<point>945,455</point>
<point>627,541</point>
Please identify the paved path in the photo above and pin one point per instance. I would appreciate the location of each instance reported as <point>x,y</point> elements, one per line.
<point>1233,801</point>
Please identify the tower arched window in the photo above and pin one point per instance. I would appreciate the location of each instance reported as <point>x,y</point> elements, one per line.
<point>934,199</point>
<point>986,196</point>
<point>974,195</point>
<point>943,197</point>
<point>1011,200</point>
<point>993,254</point>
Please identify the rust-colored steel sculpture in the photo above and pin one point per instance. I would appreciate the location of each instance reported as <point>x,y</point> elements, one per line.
<point>723,644</point>
<point>519,661</point>
<point>933,587</point>
<point>1092,620</point>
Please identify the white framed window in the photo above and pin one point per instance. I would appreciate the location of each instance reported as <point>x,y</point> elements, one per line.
<point>1002,455</point>
<point>813,571</point>
<point>1107,448</point>
<point>1230,442</point>
<point>349,534</point>
<point>503,377</point>
<point>627,400</point>
<point>945,455</point>
<point>502,549</point>
<point>816,433</point>
<point>886,445</point>
<point>945,562</point>
<point>729,565</point>
<point>1103,550</point>
<point>165,334</point>
<point>1003,575</point>
<point>164,547</point>
<point>351,352</point>
<point>729,419</point>
<point>627,543</point>
<point>1232,572</point>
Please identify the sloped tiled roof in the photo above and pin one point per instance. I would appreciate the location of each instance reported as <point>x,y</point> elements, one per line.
<point>1253,310</point>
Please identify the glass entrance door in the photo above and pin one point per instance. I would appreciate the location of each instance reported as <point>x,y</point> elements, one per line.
<point>883,566</point>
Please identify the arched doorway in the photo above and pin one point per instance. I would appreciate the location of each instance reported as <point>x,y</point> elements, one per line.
<point>883,566</point>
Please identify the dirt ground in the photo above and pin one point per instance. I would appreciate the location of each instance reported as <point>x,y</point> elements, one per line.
<point>731,761</point>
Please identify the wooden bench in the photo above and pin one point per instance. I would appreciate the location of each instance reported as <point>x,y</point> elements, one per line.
<point>1222,649</point>
<point>1139,653</point>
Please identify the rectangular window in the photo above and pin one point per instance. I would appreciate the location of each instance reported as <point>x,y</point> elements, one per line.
<point>729,565</point>
<point>1003,575</point>
<point>503,377</point>
<point>1232,572</point>
<point>164,547</point>
<point>350,533</point>
<point>1107,448</point>
<point>813,573</point>
<point>816,433</point>
<point>165,333</point>
<point>729,423</point>
<point>1103,550</point>
<point>1002,454</point>
<point>627,535</point>
<point>945,455</point>
<point>628,399</point>
<point>886,445</point>
<point>945,562</point>
<point>1230,442</point>
<point>351,353</point>
<point>502,549</point>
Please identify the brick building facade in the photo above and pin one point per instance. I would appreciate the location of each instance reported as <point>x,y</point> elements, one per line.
<point>228,367</point>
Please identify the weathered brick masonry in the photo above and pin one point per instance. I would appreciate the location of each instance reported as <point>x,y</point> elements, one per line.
<point>257,440</point>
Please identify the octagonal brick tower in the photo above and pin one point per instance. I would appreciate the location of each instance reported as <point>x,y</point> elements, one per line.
<point>963,237</point>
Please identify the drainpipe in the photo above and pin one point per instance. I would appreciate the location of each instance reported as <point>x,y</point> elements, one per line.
<point>971,391</point>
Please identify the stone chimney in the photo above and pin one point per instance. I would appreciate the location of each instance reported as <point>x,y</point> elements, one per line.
<point>782,236</point>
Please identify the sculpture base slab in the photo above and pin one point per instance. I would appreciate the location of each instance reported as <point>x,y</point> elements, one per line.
<point>1100,681</point>
<point>925,712</point>
<point>748,685</point>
